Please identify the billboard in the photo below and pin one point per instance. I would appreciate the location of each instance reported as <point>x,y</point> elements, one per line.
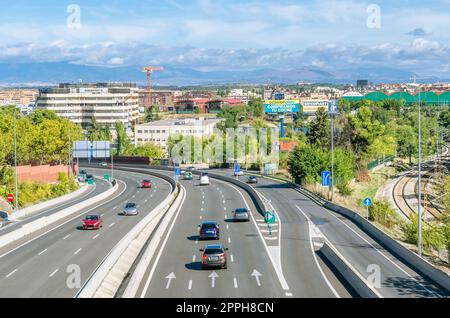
<point>311,106</point>
<point>86,149</point>
<point>281,106</point>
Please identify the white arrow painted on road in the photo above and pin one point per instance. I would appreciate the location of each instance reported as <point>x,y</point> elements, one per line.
<point>170,277</point>
<point>213,277</point>
<point>257,275</point>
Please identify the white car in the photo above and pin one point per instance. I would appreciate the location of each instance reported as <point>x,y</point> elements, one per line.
<point>204,180</point>
<point>238,174</point>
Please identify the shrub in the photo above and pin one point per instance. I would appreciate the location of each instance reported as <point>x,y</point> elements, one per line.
<point>383,214</point>
<point>433,235</point>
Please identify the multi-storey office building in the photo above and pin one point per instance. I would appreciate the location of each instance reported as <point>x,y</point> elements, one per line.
<point>108,103</point>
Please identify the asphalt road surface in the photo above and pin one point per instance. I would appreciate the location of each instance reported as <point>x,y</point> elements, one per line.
<point>48,265</point>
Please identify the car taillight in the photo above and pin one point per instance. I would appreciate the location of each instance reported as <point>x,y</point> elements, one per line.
<point>222,255</point>
<point>205,256</point>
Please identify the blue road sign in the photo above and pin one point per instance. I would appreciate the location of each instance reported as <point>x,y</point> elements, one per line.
<point>333,106</point>
<point>326,178</point>
<point>178,172</point>
<point>368,202</point>
<point>237,168</point>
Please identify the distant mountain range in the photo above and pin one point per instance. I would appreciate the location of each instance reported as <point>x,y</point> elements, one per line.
<point>51,73</point>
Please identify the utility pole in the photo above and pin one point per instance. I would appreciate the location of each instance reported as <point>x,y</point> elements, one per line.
<point>15,162</point>
<point>332,157</point>
<point>419,207</point>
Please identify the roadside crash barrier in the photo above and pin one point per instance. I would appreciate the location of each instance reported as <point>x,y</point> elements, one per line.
<point>353,278</point>
<point>45,221</point>
<point>108,277</point>
<point>48,204</point>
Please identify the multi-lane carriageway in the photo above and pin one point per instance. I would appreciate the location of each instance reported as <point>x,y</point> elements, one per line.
<point>284,264</point>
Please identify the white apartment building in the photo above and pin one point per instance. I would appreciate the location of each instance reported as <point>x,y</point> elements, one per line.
<point>108,103</point>
<point>159,132</point>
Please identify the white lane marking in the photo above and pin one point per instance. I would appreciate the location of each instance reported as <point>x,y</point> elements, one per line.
<point>203,202</point>
<point>67,236</point>
<point>190,284</point>
<point>315,256</point>
<point>196,242</point>
<point>229,240</point>
<point>77,251</point>
<point>260,221</point>
<point>265,224</point>
<point>146,201</point>
<point>12,273</point>
<point>223,202</point>
<point>202,209</point>
<point>96,236</point>
<point>288,294</point>
<point>213,277</point>
<point>112,224</point>
<point>267,231</point>
<point>226,216</point>
<point>43,252</point>
<point>228,226</point>
<point>102,215</point>
<point>278,268</point>
<point>271,238</point>
<point>53,273</point>
<point>224,208</point>
<point>201,217</point>
<point>257,276</point>
<point>169,279</point>
<point>193,258</point>
<point>235,282</point>
<point>147,283</point>
<point>115,207</point>
<point>70,220</point>
<point>232,258</point>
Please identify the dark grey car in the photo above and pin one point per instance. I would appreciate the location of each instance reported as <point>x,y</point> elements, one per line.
<point>214,255</point>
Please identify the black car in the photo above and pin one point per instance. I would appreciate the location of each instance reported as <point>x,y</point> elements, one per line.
<point>209,230</point>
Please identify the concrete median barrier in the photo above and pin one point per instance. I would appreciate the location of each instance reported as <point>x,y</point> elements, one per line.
<point>48,204</point>
<point>33,226</point>
<point>353,278</point>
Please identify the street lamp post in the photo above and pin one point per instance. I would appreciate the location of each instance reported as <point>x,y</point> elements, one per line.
<point>15,163</point>
<point>332,157</point>
<point>419,207</point>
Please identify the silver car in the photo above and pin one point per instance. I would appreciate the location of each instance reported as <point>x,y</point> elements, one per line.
<point>214,255</point>
<point>241,214</point>
<point>130,209</point>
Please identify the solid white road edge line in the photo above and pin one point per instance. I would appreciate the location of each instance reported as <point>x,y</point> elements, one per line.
<point>315,256</point>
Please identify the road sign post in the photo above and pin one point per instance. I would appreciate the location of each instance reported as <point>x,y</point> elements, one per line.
<point>177,174</point>
<point>270,217</point>
<point>368,202</point>
<point>10,198</point>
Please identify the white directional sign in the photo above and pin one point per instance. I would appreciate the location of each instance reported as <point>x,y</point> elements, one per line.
<point>213,277</point>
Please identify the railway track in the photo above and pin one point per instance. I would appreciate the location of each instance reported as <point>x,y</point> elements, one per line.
<point>402,193</point>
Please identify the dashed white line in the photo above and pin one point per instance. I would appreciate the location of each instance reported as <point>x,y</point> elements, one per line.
<point>67,236</point>
<point>193,258</point>
<point>228,226</point>
<point>53,273</point>
<point>77,251</point>
<point>10,274</point>
<point>229,240</point>
<point>235,282</point>
<point>112,224</point>
<point>232,258</point>
<point>42,252</point>
<point>190,284</point>
<point>288,294</point>
<point>201,217</point>
<point>96,236</point>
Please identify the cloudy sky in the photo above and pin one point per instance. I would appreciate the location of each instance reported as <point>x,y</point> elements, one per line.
<point>229,34</point>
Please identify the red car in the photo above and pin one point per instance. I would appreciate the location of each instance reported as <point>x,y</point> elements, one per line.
<point>146,184</point>
<point>92,222</point>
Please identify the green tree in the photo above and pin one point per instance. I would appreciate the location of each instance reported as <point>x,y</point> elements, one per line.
<point>124,144</point>
<point>319,130</point>
<point>151,114</point>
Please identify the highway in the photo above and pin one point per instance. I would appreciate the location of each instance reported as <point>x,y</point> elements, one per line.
<point>94,190</point>
<point>176,270</point>
<point>295,209</point>
<point>46,266</point>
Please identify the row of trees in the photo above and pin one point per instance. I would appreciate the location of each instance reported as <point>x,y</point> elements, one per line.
<point>42,136</point>
<point>363,132</point>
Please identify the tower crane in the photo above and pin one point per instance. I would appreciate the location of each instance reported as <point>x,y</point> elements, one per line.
<point>149,70</point>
